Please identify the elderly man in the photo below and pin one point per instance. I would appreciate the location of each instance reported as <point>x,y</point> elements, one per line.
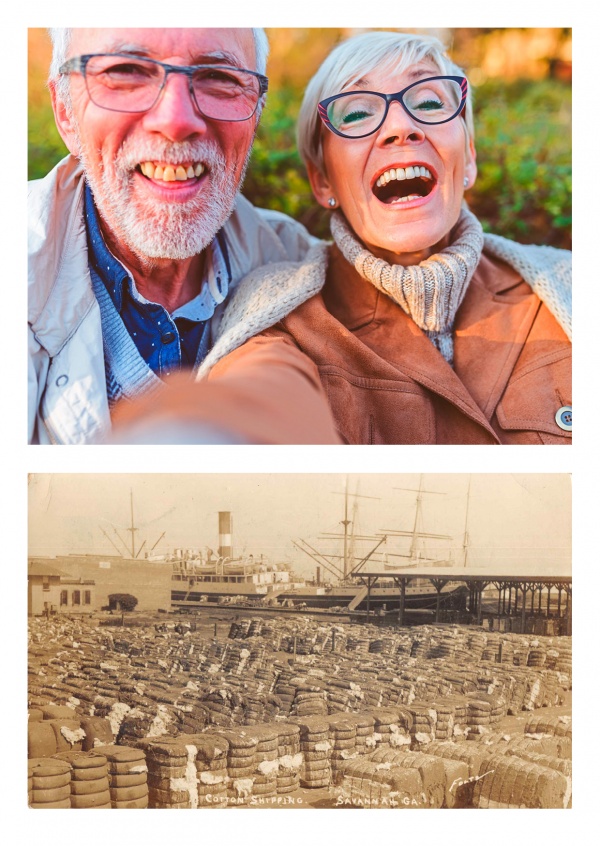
<point>139,236</point>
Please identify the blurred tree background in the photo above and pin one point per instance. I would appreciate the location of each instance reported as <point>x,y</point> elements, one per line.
<point>521,79</point>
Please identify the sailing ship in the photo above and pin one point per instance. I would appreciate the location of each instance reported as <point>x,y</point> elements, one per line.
<point>352,590</point>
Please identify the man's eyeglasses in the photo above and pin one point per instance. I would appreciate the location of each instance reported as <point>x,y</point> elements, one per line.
<point>356,114</point>
<point>123,82</point>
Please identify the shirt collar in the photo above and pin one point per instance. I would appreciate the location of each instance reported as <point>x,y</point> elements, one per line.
<point>115,276</point>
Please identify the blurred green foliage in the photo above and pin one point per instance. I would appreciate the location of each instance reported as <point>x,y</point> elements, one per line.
<point>523,141</point>
<point>46,147</point>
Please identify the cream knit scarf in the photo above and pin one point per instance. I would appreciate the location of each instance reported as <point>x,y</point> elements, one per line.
<point>430,292</point>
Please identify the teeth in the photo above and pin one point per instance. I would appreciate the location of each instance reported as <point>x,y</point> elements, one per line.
<point>171,173</point>
<point>407,199</point>
<point>403,173</point>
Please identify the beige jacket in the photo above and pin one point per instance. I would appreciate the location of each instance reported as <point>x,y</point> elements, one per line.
<point>66,378</point>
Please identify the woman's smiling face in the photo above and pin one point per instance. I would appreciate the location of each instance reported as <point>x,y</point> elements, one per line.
<point>400,188</point>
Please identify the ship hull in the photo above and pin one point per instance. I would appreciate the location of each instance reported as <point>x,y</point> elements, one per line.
<point>380,598</point>
<point>421,597</point>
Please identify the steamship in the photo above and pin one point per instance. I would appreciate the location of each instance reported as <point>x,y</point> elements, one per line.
<point>221,578</point>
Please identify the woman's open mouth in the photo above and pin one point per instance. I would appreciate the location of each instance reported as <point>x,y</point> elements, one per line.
<point>402,185</point>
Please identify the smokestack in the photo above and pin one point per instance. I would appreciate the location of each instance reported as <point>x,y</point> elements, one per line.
<point>318,575</point>
<point>225,532</point>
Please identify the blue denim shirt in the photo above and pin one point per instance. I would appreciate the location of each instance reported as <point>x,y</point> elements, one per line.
<point>165,341</point>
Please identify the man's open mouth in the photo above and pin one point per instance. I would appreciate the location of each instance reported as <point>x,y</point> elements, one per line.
<point>171,172</point>
<point>401,185</point>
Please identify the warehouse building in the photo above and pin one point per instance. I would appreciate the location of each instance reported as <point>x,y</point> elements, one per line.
<point>52,591</point>
<point>148,581</point>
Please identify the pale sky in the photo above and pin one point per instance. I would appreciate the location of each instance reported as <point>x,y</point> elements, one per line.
<point>514,520</point>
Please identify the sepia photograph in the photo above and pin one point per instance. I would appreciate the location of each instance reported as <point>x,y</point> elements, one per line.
<point>306,641</point>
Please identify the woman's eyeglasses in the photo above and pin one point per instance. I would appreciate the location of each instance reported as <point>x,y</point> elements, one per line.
<point>356,114</point>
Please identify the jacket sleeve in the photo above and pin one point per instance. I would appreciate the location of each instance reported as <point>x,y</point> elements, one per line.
<point>264,392</point>
<point>37,369</point>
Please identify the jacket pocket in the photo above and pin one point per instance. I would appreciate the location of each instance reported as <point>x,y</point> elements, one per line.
<point>528,408</point>
<point>378,411</point>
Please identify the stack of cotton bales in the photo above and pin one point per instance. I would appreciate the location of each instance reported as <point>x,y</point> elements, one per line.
<point>89,779</point>
<point>172,781</point>
<point>267,760</point>
<point>309,702</point>
<point>241,764</point>
<point>443,647</point>
<point>342,737</point>
<point>127,776</point>
<point>424,721</point>
<point>491,650</point>
<point>365,728</point>
<point>385,725</point>
<point>290,758</point>
<point>49,783</point>
<point>556,726</point>
<point>315,747</point>
<point>211,770</point>
<point>537,655</point>
<point>444,724</point>
<point>223,706</point>
<point>285,690</point>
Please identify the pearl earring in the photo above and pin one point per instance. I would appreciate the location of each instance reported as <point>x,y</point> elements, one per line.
<point>332,202</point>
<point>466,182</point>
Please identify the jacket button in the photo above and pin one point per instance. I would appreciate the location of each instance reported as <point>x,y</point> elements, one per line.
<point>564,418</point>
<point>168,337</point>
<point>62,380</point>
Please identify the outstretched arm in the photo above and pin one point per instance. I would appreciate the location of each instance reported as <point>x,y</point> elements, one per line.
<point>265,392</point>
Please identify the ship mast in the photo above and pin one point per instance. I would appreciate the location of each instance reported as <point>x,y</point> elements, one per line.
<point>345,523</point>
<point>466,534</point>
<point>343,570</point>
<point>132,528</point>
<point>417,532</point>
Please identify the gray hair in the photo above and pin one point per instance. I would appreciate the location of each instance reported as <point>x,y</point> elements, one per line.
<point>357,57</point>
<point>61,40</point>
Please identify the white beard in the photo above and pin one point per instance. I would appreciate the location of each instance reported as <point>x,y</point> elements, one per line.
<point>153,229</point>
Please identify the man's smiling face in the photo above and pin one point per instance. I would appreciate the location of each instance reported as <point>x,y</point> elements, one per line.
<point>164,180</point>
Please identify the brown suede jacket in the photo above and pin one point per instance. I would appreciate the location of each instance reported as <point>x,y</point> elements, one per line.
<point>387,384</point>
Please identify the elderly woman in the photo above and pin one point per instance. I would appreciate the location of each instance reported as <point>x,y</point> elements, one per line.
<point>422,329</point>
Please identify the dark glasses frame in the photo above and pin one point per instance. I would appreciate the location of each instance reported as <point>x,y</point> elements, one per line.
<point>398,97</point>
<point>78,64</point>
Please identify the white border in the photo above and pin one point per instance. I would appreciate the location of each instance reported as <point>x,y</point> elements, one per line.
<point>552,827</point>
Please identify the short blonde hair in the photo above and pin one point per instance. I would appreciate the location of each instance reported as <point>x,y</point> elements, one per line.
<point>357,57</point>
